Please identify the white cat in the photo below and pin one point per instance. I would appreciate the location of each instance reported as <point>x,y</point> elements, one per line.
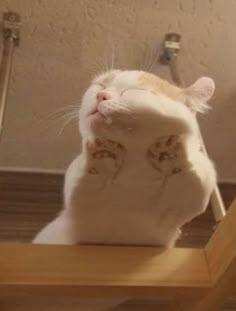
<point>141,174</point>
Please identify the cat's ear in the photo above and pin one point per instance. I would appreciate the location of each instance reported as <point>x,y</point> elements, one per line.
<point>199,93</point>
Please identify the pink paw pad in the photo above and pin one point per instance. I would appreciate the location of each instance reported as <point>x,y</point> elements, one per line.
<point>104,149</point>
<point>164,155</point>
<point>93,171</point>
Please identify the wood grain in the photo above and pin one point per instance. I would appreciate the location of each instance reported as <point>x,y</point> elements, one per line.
<point>103,271</point>
<point>221,248</point>
<point>29,200</point>
<point>221,257</point>
<point>220,254</point>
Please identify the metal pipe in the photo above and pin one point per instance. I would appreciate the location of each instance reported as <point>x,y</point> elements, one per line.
<point>173,66</point>
<point>11,23</point>
<point>5,74</point>
<point>169,57</point>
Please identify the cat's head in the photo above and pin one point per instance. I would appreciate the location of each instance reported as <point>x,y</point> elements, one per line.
<point>120,103</point>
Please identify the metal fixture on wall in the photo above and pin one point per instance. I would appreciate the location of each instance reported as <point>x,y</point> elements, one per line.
<point>11,39</point>
<point>171,49</point>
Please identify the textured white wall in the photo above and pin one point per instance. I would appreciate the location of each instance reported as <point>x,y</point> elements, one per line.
<point>61,42</point>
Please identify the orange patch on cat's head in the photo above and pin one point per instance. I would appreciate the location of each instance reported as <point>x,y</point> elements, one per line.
<point>107,77</point>
<point>194,97</point>
<point>159,86</point>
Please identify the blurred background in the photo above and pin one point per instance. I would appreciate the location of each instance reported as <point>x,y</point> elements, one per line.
<point>63,43</point>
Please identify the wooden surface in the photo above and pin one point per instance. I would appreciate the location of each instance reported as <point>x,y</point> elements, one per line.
<point>221,257</point>
<point>221,248</point>
<point>220,254</point>
<point>101,270</point>
<point>28,201</point>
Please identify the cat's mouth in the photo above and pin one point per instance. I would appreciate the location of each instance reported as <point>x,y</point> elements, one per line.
<point>97,115</point>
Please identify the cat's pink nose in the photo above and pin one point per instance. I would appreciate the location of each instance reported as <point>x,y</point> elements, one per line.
<point>102,96</point>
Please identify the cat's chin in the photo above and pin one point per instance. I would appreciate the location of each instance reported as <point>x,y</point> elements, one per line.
<point>97,119</point>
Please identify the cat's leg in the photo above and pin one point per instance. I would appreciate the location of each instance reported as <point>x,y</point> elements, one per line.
<point>62,230</point>
<point>74,173</point>
<point>186,196</point>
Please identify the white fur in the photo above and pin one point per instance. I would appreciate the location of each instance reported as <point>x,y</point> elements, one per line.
<point>138,205</point>
<point>200,92</point>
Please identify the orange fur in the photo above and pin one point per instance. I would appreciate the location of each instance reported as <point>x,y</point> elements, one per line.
<point>158,86</point>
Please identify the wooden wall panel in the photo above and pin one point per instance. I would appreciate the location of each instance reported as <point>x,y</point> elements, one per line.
<point>29,200</point>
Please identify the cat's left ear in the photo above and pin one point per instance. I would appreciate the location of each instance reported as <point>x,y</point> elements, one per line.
<point>199,93</point>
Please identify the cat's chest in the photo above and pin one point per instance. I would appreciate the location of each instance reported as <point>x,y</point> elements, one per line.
<point>118,198</point>
<point>117,176</point>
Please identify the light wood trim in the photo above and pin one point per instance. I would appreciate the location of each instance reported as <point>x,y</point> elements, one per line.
<point>221,249</point>
<point>221,257</point>
<point>101,271</point>
<point>212,300</point>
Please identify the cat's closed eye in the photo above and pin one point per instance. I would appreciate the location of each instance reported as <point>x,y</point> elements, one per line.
<point>133,89</point>
<point>99,84</point>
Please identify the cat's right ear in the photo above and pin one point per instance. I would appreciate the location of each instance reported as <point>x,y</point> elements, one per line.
<point>199,93</point>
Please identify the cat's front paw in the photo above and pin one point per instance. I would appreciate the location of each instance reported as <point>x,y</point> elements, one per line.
<point>105,155</point>
<point>166,155</point>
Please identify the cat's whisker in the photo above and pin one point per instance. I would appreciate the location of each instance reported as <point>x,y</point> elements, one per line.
<point>102,64</point>
<point>106,62</point>
<point>150,60</point>
<point>66,108</point>
<point>141,64</point>
<point>58,114</point>
<point>72,113</point>
<point>145,60</point>
<point>108,57</point>
<point>67,122</point>
<point>98,67</point>
<point>153,60</point>
<point>54,123</point>
<point>91,72</point>
<point>112,56</point>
